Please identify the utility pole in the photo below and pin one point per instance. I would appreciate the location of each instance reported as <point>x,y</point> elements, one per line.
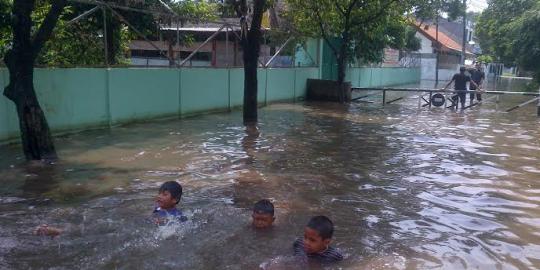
<point>463,50</point>
<point>437,48</point>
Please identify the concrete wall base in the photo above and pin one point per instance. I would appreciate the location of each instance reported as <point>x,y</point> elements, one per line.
<point>327,90</point>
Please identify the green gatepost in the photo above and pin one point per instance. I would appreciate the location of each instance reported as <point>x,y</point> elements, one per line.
<point>329,64</point>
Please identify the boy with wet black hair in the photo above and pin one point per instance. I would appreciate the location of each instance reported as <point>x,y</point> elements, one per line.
<point>263,214</point>
<point>316,242</point>
<point>168,197</point>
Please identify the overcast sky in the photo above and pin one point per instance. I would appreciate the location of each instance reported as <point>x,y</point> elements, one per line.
<point>476,5</point>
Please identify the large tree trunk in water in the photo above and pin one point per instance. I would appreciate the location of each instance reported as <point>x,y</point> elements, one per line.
<point>342,68</point>
<point>35,134</point>
<point>342,58</point>
<point>251,44</point>
<point>36,138</point>
<point>250,85</point>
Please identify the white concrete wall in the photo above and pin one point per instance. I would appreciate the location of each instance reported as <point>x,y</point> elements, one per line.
<point>426,43</point>
<point>428,70</point>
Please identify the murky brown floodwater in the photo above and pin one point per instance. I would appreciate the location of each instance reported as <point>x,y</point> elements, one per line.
<point>407,188</point>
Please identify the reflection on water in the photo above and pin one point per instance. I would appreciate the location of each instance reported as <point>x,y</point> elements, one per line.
<point>407,188</point>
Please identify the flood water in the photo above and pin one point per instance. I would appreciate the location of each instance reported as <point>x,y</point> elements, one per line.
<point>407,188</point>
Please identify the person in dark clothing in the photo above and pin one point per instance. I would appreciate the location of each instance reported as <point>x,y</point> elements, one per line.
<point>460,81</point>
<point>477,76</point>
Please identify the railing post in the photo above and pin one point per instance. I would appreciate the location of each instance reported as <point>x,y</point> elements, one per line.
<point>538,108</point>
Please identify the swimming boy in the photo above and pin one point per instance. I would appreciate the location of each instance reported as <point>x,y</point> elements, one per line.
<point>263,214</point>
<point>168,197</point>
<point>316,242</point>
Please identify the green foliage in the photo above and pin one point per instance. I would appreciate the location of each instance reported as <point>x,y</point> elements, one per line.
<point>508,29</point>
<point>366,26</point>
<point>196,10</point>
<point>81,43</point>
<point>412,43</point>
<point>429,9</point>
<point>5,22</point>
<point>485,58</point>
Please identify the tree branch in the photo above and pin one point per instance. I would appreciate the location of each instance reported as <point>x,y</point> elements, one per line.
<point>323,31</point>
<point>47,27</point>
<point>339,8</point>
<point>379,13</point>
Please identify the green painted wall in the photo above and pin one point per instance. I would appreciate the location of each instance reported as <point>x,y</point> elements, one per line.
<point>203,89</point>
<point>380,77</point>
<point>142,93</point>
<point>81,98</point>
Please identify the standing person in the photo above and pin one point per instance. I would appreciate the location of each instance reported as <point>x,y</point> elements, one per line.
<point>460,86</point>
<point>477,76</point>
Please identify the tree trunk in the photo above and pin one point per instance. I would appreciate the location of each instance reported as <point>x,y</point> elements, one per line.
<point>251,44</point>
<point>113,38</point>
<point>341,68</point>
<point>343,57</point>
<point>36,138</point>
<point>251,57</point>
<point>35,134</point>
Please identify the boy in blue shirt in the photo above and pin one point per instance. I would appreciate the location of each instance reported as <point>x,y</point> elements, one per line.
<point>316,242</point>
<point>168,197</point>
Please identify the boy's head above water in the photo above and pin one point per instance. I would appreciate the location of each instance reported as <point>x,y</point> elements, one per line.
<point>263,214</point>
<point>169,195</point>
<point>318,234</point>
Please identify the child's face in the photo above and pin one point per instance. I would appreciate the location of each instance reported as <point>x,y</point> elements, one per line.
<point>313,242</point>
<point>165,200</point>
<point>262,221</point>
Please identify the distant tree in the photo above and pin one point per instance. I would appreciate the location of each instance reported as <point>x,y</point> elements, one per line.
<point>363,28</point>
<point>509,31</point>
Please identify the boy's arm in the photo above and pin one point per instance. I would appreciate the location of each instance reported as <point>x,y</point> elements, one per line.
<point>46,230</point>
<point>473,83</point>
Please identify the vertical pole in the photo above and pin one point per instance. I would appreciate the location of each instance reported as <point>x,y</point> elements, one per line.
<point>177,33</point>
<point>383,97</point>
<point>106,46</point>
<point>429,101</point>
<point>464,32</point>
<point>227,45</point>
<point>538,110</point>
<point>437,50</point>
<point>177,42</point>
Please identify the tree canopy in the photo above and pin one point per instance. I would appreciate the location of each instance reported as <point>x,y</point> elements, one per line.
<point>81,43</point>
<point>508,30</point>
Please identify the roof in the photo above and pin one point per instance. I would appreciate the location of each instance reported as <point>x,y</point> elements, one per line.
<point>164,46</point>
<point>234,24</point>
<point>447,43</point>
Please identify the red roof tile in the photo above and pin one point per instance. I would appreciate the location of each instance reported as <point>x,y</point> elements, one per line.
<point>447,43</point>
